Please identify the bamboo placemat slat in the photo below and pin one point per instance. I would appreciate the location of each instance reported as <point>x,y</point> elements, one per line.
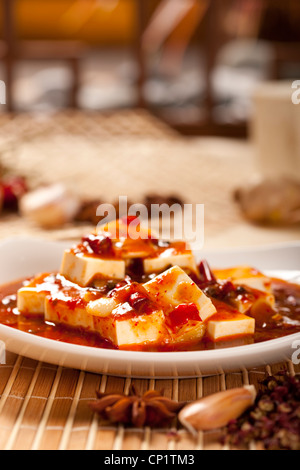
<point>46,407</point>
<point>43,406</point>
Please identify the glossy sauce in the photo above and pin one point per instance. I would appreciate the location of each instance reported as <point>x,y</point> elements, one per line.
<point>116,250</point>
<point>36,325</point>
<point>283,321</point>
<point>286,320</point>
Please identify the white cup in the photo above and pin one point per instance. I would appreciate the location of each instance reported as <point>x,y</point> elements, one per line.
<point>275,129</point>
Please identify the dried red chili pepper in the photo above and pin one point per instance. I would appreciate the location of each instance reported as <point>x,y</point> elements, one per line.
<point>206,274</point>
<point>100,245</point>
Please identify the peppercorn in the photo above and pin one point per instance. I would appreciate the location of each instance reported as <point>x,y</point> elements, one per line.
<point>273,421</point>
<point>265,405</point>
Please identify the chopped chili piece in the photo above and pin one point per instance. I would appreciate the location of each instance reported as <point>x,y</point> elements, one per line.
<point>140,303</point>
<point>182,314</point>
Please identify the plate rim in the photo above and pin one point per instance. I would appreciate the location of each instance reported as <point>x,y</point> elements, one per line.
<point>152,354</point>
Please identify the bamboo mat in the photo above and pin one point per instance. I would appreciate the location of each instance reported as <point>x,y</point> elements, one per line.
<point>46,407</point>
<point>43,406</point>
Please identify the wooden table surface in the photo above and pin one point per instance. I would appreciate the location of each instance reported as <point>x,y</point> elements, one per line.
<point>43,406</point>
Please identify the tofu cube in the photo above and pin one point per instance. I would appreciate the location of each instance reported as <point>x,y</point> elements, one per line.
<point>160,263</point>
<point>258,287</point>
<point>116,320</point>
<point>124,229</point>
<point>174,287</point>
<point>31,298</point>
<point>81,269</point>
<point>31,301</point>
<point>190,332</point>
<point>61,311</point>
<point>254,301</point>
<point>231,326</point>
<point>144,329</point>
<point>260,283</point>
<point>132,239</point>
<point>134,331</point>
<point>131,249</point>
<point>246,276</point>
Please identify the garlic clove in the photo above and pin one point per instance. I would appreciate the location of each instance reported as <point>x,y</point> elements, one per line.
<point>51,206</point>
<point>271,201</point>
<point>217,410</point>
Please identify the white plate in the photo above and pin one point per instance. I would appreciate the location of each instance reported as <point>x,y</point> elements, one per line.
<point>25,257</point>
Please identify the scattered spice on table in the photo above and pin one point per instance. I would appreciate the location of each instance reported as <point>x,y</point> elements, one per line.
<point>273,420</point>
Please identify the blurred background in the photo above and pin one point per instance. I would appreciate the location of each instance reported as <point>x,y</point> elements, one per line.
<point>158,100</point>
<point>194,63</point>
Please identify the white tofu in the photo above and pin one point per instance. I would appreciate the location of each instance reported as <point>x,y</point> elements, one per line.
<point>31,298</point>
<point>131,249</point>
<point>246,276</point>
<point>255,282</point>
<point>144,329</point>
<point>238,325</point>
<point>190,332</point>
<point>81,269</point>
<point>59,311</point>
<point>31,301</point>
<point>261,283</point>
<point>184,261</point>
<point>174,287</point>
<point>260,300</point>
<point>120,230</point>
<point>135,331</point>
<point>131,241</point>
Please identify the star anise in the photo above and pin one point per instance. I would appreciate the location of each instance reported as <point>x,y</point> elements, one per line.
<point>151,409</point>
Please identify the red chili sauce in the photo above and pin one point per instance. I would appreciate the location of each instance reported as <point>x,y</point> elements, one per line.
<point>270,324</point>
